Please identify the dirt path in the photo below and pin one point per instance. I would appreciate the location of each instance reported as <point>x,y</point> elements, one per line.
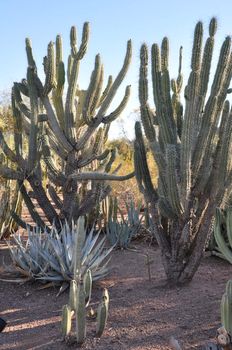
<point>143,315</point>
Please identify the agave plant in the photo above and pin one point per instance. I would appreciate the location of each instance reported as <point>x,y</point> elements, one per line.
<point>50,257</point>
<point>120,234</point>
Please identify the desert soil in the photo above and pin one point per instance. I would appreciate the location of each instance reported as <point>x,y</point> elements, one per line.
<point>143,314</point>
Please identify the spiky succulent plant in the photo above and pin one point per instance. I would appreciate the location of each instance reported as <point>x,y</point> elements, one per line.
<point>51,257</point>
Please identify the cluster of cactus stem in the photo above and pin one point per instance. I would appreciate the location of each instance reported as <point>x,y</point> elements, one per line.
<point>80,296</point>
<point>223,234</point>
<point>190,144</point>
<point>73,130</point>
<point>225,332</point>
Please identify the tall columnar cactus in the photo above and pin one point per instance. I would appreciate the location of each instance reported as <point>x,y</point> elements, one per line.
<point>191,145</point>
<point>72,129</point>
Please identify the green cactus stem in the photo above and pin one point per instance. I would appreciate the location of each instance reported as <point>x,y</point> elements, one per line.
<point>66,321</point>
<point>102,313</point>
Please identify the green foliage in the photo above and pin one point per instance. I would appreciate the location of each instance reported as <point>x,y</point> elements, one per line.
<point>190,143</point>
<point>52,257</point>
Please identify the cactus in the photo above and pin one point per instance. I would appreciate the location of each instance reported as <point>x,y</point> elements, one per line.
<point>11,202</point>
<point>226,308</point>
<point>190,144</point>
<point>79,299</point>
<point>66,320</point>
<point>73,130</point>
<point>223,238</point>
<point>102,313</point>
<point>224,332</point>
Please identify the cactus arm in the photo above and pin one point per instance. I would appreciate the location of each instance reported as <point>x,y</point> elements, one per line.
<point>111,160</point>
<point>114,115</point>
<point>17,128</point>
<point>97,97</point>
<point>166,84</point>
<point>31,208</point>
<point>213,105</point>
<point>19,102</point>
<point>91,158</point>
<point>172,182</point>
<point>105,104</point>
<point>142,173</point>
<point>50,70</point>
<point>100,176</point>
<point>59,177</point>
<point>115,85</point>
<point>102,313</point>
<point>206,64</point>
<point>79,242</point>
<point>53,123</point>
<point>88,286</point>
<point>10,154</point>
<point>92,91</point>
<point>57,92</point>
<point>80,314</point>
<point>188,129</point>
<point>33,146</point>
<point>166,134</point>
<point>43,200</point>
<point>21,222</point>
<point>30,58</point>
<point>11,174</point>
<point>55,145</point>
<point>146,114</point>
<point>66,322</point>
<point>106,90</point>
<point>73,295</point>
<point>71,93</point>
<point>54,196</point>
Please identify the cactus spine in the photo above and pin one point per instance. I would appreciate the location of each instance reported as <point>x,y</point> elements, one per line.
<point>72,129</point>
<point>190,146</point>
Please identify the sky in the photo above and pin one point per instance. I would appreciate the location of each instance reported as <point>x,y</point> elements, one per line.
<point>112,23</point>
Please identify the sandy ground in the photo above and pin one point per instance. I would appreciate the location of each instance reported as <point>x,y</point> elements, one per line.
<point>143,314</point>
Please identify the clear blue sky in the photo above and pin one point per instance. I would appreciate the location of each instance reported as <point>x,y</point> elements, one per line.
<point>112,22</point>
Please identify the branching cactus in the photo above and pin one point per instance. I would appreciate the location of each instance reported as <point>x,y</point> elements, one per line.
<point>191,145</point>
<point>72,129</point>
